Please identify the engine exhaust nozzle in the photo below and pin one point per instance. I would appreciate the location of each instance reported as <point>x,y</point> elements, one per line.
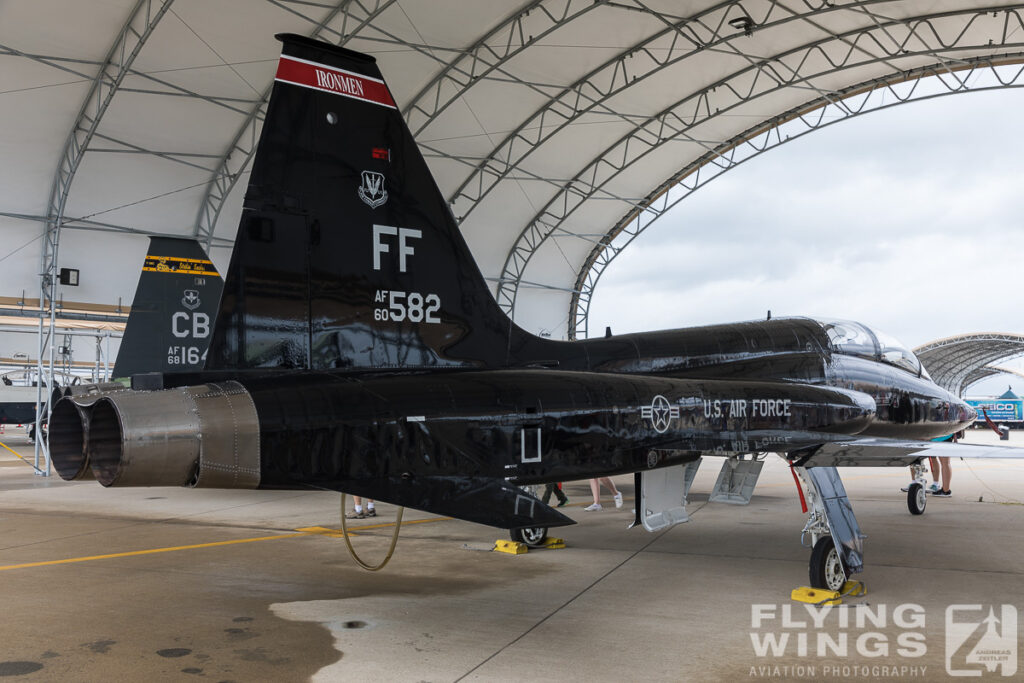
<point>67,441</point>
<point>68,435</point>
<point>205,435</point>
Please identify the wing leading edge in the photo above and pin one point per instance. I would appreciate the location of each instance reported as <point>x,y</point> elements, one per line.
<point>878,452</point>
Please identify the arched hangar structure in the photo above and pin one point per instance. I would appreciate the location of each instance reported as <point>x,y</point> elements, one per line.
<point>955,363</point>
<point>558,129</point>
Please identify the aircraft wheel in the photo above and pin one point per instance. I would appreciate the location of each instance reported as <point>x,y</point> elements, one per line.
<point>916,499</point>
<point>533,536</point>
<point>827,570</point>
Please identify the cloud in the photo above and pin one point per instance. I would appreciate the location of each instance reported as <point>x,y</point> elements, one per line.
<point>907,219</point>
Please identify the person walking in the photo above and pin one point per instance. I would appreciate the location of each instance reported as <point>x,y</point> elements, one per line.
<point>557,490</point>
<point>595,489</point>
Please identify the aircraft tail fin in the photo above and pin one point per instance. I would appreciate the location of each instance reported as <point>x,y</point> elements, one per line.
<point>170,324</point>
<point>347,254</point>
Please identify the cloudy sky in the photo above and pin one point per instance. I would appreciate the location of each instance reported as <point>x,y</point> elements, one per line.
<point>909,219</point>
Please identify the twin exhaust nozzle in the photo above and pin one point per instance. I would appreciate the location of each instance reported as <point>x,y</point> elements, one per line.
<point>200,436</point>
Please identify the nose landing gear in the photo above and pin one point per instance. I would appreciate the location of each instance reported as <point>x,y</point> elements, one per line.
<point>916,496</point>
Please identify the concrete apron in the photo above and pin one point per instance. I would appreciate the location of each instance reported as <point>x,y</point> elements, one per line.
<point>235,593</point>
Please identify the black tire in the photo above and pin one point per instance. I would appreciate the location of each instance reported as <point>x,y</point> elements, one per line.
<point>916,499</point>
<point>826,568</point>
<point>533,536</point>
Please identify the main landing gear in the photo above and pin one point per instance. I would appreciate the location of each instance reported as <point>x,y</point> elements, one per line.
<point>836,543</point>
<point>536,536</point>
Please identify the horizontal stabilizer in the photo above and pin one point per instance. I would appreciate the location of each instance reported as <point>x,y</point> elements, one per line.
<point>482,500</point>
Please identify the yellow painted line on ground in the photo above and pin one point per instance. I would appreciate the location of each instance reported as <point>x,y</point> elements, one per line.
<point>306,531</point>
<point>324,531</point>
<point>151,551</point>
<point>16,455</point>
<point>356,530</point>
<point>405,522</point>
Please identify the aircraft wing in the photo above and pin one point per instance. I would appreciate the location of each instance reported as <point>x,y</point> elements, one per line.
<point>878,452</point>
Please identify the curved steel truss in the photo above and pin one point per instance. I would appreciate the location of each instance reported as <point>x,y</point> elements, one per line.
<point>987,371</point>
<point>118,63</point>
<point>957,362</point>
<point>529,24</point>
<point>352,16</point>
<point>681,39</point>
<point>948,42</point>
<point>876,95</point>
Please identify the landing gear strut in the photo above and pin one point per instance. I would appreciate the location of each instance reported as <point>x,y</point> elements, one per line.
<point>832,531</point>
<point>916,496</point>
<point>533,536</point>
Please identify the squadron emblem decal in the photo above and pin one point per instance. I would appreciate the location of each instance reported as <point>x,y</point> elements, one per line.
<point>191,299</point>
<point>372,189</point>
<point>660,413</point>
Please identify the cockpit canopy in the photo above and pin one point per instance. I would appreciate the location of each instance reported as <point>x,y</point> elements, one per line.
<point>853,339</point>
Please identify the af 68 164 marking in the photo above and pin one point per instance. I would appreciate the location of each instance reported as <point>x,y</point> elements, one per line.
<point>184,355</point>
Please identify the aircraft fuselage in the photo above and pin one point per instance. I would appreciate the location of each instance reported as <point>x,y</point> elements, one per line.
<point>908,404</point>
<point>597,407</point>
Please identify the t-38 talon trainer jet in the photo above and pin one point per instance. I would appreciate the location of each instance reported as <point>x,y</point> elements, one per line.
<point>357,348</point>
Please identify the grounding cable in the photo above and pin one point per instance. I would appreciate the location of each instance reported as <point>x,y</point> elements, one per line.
<point>1010,500</point>
<point>352,551</point>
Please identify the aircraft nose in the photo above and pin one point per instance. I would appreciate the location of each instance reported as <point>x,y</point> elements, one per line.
<point>966,413</point>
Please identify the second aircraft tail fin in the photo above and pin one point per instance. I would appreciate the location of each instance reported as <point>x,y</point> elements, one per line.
<point>171,320</point>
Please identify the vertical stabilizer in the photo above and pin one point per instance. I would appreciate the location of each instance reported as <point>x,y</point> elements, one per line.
<point>347,255</point>
<point>171,322</point>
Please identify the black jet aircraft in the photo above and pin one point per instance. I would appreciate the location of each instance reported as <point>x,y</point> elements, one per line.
<point>17,402</point>
<point>357,348</point>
